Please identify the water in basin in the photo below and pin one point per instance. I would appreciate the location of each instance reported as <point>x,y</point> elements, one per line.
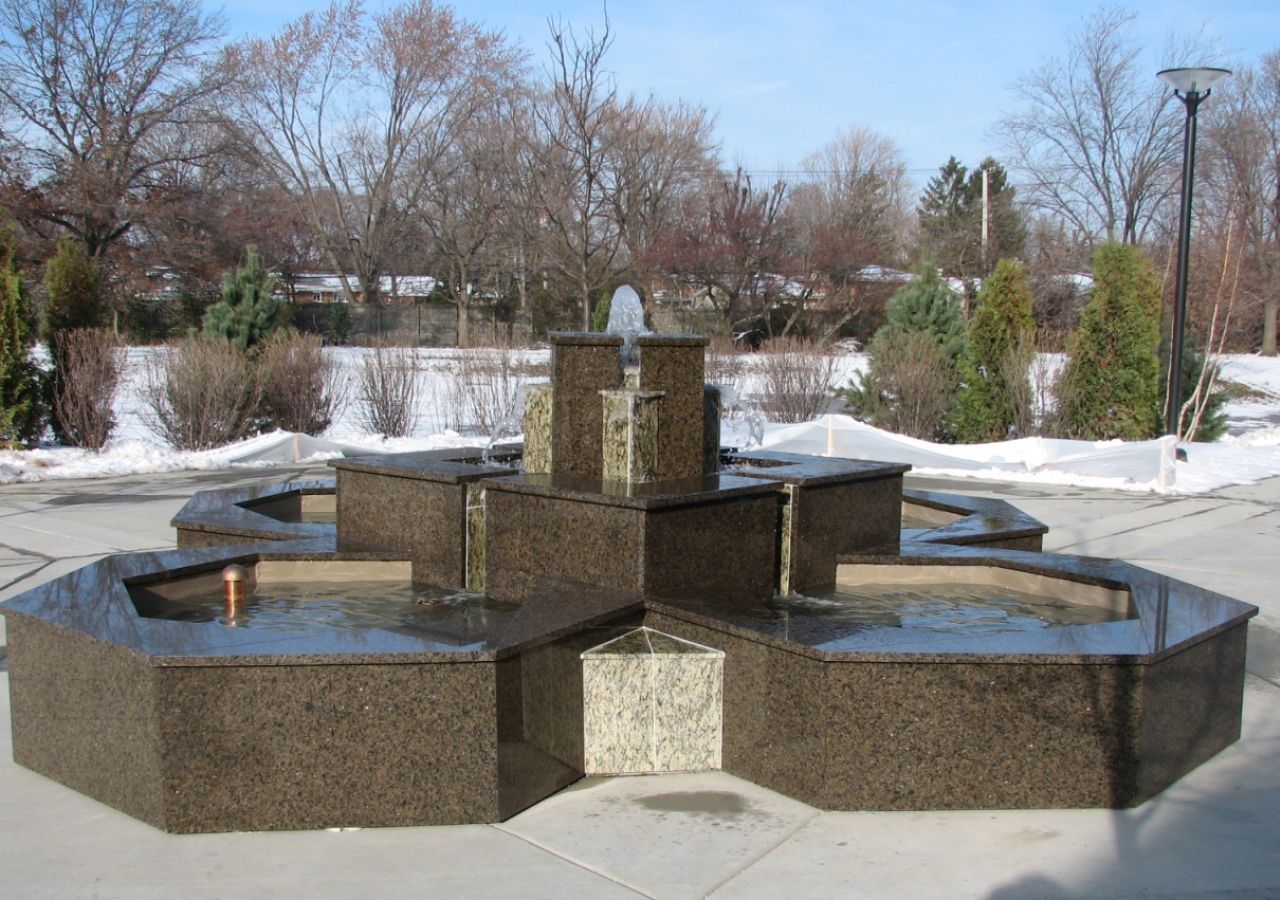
<point>321,606</point>
<point>943,607</point>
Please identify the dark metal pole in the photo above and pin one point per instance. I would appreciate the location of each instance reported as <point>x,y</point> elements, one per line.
<point>1173,396</point>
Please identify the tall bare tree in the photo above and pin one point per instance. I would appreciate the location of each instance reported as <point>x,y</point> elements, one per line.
<point>102,98</point>
<point>350,113</point>
<point>850,210</point>
<point>1097,141</point>
<point>1241,192</point>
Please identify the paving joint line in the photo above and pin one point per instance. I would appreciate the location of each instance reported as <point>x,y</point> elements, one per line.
<point>573,862</point>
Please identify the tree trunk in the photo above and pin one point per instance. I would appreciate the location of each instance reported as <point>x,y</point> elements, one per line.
<point>1269,307</point>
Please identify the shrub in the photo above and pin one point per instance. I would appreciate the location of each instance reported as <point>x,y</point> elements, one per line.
<point>201,393</point>
<point>908,388</point>
<point>725,363</point>
<point>340,323</point>
<point>91,362</point>
<point>984,404</point>
<point>487,384</point>
<point>797,380</point>
<point>389,388</point>
<point>247,314</point>
<point>926,304</point>
<point>1110,388</point>
<point>301,390</point>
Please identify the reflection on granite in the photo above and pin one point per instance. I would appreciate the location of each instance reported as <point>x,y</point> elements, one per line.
<point>979,521</point>
<point>651,703</point>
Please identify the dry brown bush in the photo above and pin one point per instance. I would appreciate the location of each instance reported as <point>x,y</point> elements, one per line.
<point>797,380</point>
<point>389,389</point>
<point>910,386</point>
<point>201,393</point>
<point>487,382</point>
<point>301,390</point>
<point>726,363</point>
<point>90,364</point>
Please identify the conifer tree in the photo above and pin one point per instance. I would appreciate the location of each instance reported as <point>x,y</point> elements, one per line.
<point>1111,386</point>
<point>926,303</point>
<point>1003,318</point>
<point>21,412</point>
<point>77,295</point>
<point>247,314</point>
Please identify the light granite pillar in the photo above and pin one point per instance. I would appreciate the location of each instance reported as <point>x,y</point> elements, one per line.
<point>538,404</point>
<point>652,703</point>
<point>631,422</point>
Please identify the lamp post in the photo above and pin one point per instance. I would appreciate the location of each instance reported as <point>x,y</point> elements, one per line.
<point>1191,86</point>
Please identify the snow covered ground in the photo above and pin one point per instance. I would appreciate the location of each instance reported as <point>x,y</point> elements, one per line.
<point>1250,453</point>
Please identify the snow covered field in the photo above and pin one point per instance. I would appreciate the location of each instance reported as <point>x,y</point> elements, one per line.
<point>1251,453</point>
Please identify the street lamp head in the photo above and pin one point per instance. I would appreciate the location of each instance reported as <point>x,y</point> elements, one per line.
<point>1194,80</point>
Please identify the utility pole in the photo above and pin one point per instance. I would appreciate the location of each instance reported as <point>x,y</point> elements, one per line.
<point>986,215</point>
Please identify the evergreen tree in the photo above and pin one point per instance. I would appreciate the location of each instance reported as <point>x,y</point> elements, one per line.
<point>247,314</point>
<point>77,295</point>
<point>1003,318</point>
<point>21,412</point>
<point>950,217</point>
<point>926,303</point>
<point>1111,386</point>
<point>911,376</point>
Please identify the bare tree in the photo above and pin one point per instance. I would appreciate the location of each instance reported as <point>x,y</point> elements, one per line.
<point>352,112</point>
<point>1097,142</point>
<point>1241,181</point>
<point>851,210</point>
<point>102,96</point>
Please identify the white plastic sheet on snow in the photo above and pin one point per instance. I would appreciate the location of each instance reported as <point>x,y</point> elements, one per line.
<point>1148,463</point>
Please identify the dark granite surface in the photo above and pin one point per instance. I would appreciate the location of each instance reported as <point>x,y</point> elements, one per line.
<point>220,512</point>
<point>449,466</point>
<point>649,495</point>
<point>797,468</point>
<point>983,521</point>
<point>674,364</point>
<point>829,519</point>
<point>582,365</point>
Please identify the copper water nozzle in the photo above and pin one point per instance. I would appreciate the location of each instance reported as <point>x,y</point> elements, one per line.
<point>234,584</point>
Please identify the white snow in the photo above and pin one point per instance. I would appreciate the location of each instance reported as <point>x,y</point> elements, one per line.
<point>1251,453</point>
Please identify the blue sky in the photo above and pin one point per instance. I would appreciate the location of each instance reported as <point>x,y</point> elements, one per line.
<point>784,76</point>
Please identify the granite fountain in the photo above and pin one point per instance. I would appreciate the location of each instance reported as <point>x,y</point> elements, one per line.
<point>620,594</point>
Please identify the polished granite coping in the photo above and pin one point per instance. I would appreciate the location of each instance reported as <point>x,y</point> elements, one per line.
<point>1171,616</point>
<point>644,641</point>
<point>448,466</point>
<point>646,496</point>
<point>230,511</point>
<point>801,469</point>
<point>584,339</point>
<point>982,519</point>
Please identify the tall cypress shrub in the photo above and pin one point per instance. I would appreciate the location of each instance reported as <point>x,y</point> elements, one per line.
<point>1111,385</point>
<point>984,409</point>
<point>21,412</point>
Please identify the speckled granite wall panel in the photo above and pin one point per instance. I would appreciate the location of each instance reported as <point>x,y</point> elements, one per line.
<point>773,712</point>
<point>1192,709</point>
<point>532,538</point>
<point>81,713</point>
<point>727,549</point>
<point>688,689</point>
<point>582,365</point>
<point>961,736</point>
<point>552,697</point>
<point>475,536</point>
<point>711,411</point>
<point>674,364</point>
<point>288,747</point>
<point>828,520</point>
<point>618,714</point>
<point>538,405</point>
<point>426,518</point>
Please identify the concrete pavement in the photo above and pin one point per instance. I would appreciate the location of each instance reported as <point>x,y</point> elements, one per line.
<point>1214,834</point>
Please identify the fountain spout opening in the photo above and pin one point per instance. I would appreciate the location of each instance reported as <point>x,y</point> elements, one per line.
<point>234,590</point>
